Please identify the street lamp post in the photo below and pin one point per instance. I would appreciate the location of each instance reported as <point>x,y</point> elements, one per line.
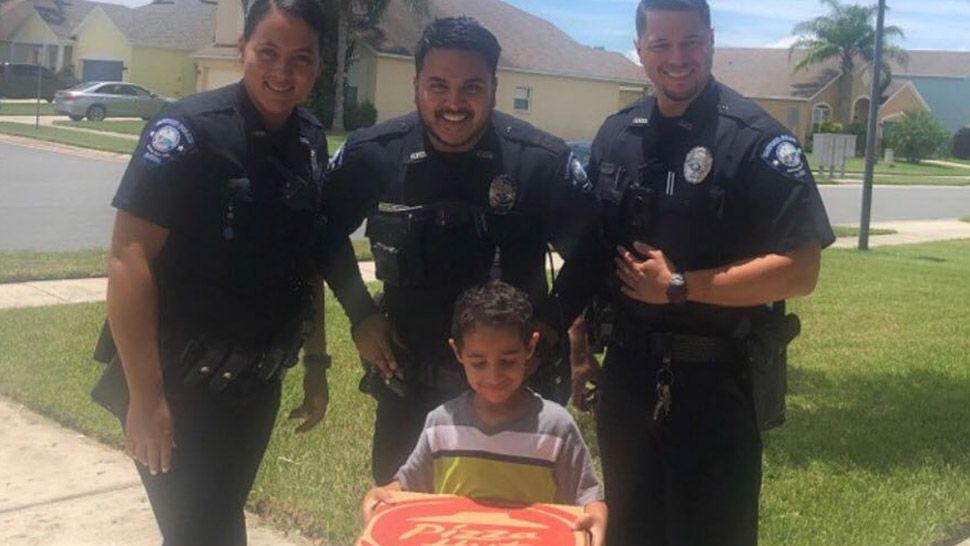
<point>871,133</point>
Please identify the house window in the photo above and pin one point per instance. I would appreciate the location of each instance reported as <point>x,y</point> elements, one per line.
<point>523,98</point>
<point>821,113</point>
<point>793,117</point>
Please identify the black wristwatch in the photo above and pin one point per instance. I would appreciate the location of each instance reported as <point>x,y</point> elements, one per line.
<point>318,361</point>
<point>677,289</point>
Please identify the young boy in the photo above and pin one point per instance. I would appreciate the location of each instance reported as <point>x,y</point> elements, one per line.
<point>499,440</point>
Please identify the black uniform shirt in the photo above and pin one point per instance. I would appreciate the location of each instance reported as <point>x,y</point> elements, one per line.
<point>725,182</point>
<point>525,179</point>
<point>240,205</point>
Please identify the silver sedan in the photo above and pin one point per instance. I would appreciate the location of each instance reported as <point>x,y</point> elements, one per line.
<point>98,100</point>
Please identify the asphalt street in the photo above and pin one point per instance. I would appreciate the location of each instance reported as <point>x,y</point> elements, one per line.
<point>55,201</point>
<point>51,200</point>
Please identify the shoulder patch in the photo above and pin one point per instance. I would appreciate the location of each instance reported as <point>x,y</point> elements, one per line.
<point>784,154</point>
<point>576,174</point>
<point>167,140</point>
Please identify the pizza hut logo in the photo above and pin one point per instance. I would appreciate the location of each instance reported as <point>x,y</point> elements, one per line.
<point>458,521</point>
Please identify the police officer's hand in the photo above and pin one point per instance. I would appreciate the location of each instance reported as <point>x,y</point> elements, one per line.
<point>373,337</point>
<point>585,368</point>
<point>645,274</point>
<point>148,432</point>
<point>316,398</point>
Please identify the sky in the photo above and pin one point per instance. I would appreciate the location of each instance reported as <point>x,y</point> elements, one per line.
<point>928,24</point>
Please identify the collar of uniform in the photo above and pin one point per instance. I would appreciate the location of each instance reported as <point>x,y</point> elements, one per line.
<point>642,113</point>
<point>254,121</point>
<point>417,147</point>
<point>701,107</point>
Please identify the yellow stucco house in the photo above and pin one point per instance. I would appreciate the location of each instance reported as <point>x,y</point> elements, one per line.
<point>801,99</point>
<point>151,45</point>
<point>545,77</point>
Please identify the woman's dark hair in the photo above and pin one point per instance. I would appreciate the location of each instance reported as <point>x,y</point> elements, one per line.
<point>700,7</point>
<point>464,33</point>
<point>495,304</point>
<point>308,11</point>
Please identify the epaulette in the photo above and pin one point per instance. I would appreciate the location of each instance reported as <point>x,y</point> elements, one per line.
<point>391,128</point>
<point>207,102</point>
<point>520,131</point>
<point>307,116</point>
<point>746,112</point>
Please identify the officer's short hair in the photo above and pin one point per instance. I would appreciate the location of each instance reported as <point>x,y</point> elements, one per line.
<point>464,33</point>
<point>699,7</point>
<point>495,304</point>
<point>308,11</point>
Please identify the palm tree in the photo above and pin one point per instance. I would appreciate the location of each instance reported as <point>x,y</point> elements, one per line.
<point>846,33</point>
<point>373,11</point>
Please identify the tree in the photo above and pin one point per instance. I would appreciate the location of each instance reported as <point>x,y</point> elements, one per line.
<point>371,11</point>
<point>916,136</point>
<point>846,33</point>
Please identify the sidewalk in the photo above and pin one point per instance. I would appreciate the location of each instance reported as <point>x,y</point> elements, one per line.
<point>60,488</point>
<point>42,293</point>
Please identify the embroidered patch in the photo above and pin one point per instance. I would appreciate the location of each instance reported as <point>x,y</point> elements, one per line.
<point>784,154</point>
<point>697,164</point>
<point>169,139</point>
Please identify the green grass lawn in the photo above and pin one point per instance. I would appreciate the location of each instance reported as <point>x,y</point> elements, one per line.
<point>20,266</point>
<point>126,126</point>
<point>853,231</point>
<point>8,108</point>
<point>27,265</point>
<point>73,138</point>
<point>905,173</point>
<point>876,451</point>
<point>100,142</point>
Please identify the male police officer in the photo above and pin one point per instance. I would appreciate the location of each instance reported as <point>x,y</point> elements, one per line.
<point>454,195</point>
<point>710,214</point>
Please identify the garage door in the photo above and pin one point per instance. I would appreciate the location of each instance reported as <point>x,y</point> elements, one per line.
<point>100,71</point>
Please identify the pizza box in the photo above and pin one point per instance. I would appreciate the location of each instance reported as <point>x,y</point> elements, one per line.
<point>416,519</point>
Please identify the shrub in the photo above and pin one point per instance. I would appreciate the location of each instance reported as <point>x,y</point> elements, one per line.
<point>917,136</point>
<point>360,115</point>
<point>961,143</point>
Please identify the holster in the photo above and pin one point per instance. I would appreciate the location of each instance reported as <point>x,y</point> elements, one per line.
<point>111,390</point>
<point>767,345</point>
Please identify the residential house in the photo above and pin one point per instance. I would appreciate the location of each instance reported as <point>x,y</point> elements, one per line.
<point>151,45</point>
<point>934,81</point>
<point>545,77</point>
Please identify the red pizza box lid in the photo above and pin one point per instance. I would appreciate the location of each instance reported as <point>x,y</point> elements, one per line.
<point>416,519</point>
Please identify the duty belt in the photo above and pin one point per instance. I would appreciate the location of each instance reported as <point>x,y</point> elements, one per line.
<point>679,347</point>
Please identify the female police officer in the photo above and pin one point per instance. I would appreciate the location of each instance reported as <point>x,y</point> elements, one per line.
<point>209,274</point>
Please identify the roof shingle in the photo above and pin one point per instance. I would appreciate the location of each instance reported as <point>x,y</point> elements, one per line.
<point>528,42</point>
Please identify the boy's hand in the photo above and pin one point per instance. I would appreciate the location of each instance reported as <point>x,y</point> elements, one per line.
<point>374,498</point>
<point>594,522</point>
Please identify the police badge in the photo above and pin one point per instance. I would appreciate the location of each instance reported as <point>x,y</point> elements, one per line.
<point>697,164</point>
<point>501,194</point>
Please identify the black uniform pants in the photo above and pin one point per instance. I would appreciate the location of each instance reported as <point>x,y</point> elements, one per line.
<point>219,443</point>
<point>692,480</point>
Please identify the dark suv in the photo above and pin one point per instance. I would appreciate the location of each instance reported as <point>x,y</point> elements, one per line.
<point>19,81</point>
